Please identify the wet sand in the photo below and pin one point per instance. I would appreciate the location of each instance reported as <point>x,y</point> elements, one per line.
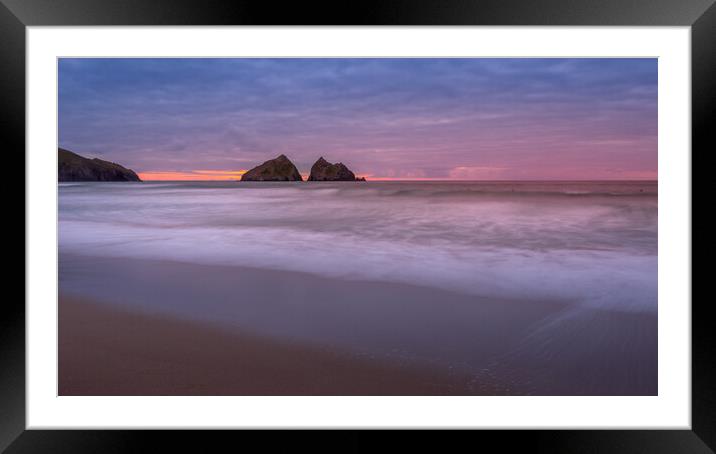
<point>104,351</point>
<point>150,327</point>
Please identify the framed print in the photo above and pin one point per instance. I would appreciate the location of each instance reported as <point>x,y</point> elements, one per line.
<point>397,216</point>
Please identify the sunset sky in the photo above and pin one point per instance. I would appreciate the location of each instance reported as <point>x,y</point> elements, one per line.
<point>464,119</point>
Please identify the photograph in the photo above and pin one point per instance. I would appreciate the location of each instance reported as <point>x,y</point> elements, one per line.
<point>333,226</point>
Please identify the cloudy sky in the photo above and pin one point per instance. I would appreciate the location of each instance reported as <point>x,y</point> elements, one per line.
<point>463,119</point>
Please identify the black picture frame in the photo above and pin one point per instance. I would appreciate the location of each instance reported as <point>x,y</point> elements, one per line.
<point>16,15</point>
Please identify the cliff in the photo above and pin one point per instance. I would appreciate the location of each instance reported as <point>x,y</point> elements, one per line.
<point>73,167</point>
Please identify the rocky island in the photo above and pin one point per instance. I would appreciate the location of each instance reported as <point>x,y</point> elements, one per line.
<point>282,169</point>
<point>73,167</point>
<point>279,169</point>
<point>323,170</point>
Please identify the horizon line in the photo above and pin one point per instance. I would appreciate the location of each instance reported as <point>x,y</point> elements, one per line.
<point>572,180</point>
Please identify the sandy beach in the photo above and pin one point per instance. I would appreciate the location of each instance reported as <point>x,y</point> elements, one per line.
<point>151,327</point>
<point>110,352</point>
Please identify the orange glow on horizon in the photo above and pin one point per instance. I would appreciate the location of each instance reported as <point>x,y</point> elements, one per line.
<point>193,175</point>
<point>235,175</point>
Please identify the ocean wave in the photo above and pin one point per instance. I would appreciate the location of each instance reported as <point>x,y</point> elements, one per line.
<point>601,252</point>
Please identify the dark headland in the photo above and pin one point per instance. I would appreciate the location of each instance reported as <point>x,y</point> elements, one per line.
<point>282,169</point>
<point>73,167</point>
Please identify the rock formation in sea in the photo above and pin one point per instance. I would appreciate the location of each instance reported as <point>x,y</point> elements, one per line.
<point>323,170</point>
<point>73,167</point>
<point>279,169</point>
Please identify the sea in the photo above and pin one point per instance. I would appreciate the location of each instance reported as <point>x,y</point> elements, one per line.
<point>590,243</point>
<point>589,246</point>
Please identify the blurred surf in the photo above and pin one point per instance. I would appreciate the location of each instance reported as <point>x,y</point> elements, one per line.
<point>584,243</point>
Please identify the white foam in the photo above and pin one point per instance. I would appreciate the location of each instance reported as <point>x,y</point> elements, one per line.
<point>595,253</point>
